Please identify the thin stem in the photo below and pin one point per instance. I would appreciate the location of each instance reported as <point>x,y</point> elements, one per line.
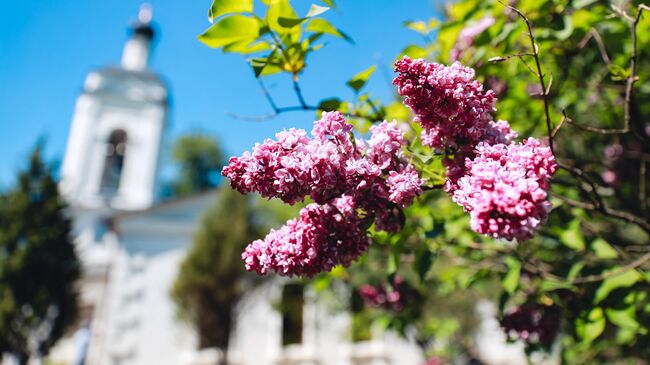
<point>539,73</point>
<point>296,88</point>
<point>596,278</point>
<point>593,34</point>
<point>629,87</point>
<point>642,187</point>
<point>624,216</point>
<point>594,129</point>
<point>267,95</point>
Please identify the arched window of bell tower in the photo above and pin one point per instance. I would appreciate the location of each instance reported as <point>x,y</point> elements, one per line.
<point>113,162</point>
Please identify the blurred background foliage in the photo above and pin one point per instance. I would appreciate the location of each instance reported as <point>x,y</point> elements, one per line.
<point>587,268</point>
<point>38,264</point>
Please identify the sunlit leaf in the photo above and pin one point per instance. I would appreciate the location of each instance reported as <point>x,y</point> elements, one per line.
<point>222,7</point>
<point>582,3</point>
<point>590,328</point>
<point>622,280</point>
<point>511,281</point>
<point>319,25</point>
<point>575,270</point>
<point>551,285</point>
<point>279,9</point>
<point>418,26</point>
<point>625,318</point>
<point>314,10</point>
<point>414,51</point>
<point>572,236</point>
<point>247,47</point>
<point>359,80</point>
<point>618,73</point>
<point>566,32</point>
<point>603,249</point>
<point>231,29</point>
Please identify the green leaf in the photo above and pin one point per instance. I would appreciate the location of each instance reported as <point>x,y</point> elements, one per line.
<point>618,72</point>
<point>231,29</point>
<point>258,65</point>
<point>397,111</point>
<point>329,104</point>
<point>625,318</point>
<point>418,26</point>
<point>319,25</point>
<point>322,282</point>
<point>572,236</point>
<point>423,261</point>
<point>511,281</point>
<point>314,10</point>
<point>247,46</point>
<point>359,80</point>
<point>265,66</point>
<point>393,263</point>
<point>590,328</point>
<point>566,32</point>
<point>414,51</point>
<point>222,7</point>
<point>550,285</point>
<point>279,9</point>
<point>575,270</point>
<point>622,280</point>
<point>603,249</point>
<point>582,3</point>
<point>330,3</point>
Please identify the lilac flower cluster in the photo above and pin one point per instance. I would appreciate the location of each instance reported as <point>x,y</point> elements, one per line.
<point>503,185</point>
<point>466,37</point>
<point>322,237</point>
<point>352,182</point>
<point>393,298</point>
<point>451,106</point>
<point>533,323</point>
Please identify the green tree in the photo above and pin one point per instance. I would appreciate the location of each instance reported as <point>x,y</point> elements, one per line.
<point>212,278</point>
<point>38,264</point>
<point>200,160</point>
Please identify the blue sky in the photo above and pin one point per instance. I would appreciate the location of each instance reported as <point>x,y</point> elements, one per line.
<point>48,46</point>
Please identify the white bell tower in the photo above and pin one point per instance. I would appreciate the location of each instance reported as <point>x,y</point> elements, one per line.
<point>113,148</point>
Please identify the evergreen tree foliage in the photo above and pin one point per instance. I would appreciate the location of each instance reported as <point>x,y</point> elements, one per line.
<point>38,264</point>
<point>200,160</point>
<point>212,278</point>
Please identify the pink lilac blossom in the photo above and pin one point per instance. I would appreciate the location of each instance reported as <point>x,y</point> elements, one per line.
<point>451,106</point>
<point>294,165</point>
<point>322,237</point>
<point>353,183</point>
<point>385,144</point>
<point>403,186</point>
<point>497,132</point>
<point>505,189</point>
<point>393,297</point>
<point>467,35</point>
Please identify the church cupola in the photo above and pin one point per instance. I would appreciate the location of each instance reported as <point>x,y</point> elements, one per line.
<point>137,49</point>
<point>113,147</point>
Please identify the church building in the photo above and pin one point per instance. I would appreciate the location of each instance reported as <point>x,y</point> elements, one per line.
<point>131,244</point>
